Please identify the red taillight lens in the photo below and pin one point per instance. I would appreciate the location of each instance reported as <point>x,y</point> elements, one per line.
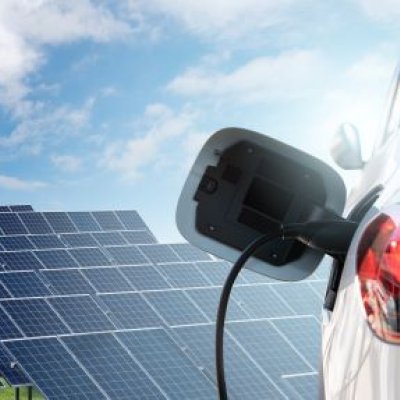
<point>378,269</point>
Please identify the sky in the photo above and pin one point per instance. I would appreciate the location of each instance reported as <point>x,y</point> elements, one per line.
<point>105,104</point>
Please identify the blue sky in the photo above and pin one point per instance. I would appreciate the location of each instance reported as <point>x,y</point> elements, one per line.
<point>104,104</point>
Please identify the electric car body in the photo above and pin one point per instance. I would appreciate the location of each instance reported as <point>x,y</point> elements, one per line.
<point>360,343</point>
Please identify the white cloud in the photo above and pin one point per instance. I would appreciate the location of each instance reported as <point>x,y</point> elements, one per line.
<point>289,75</point>
<point>13,183</point>
<point>381,10</point>
<point>27,25</point>
<point>67,163</point>
<point>142,151</point>
<point>224,18</point>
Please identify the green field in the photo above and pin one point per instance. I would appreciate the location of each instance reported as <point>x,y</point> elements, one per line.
<point>8,393</point>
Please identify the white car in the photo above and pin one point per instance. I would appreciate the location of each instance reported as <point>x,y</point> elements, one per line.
<point>361,334</point>
<point>229,200</point>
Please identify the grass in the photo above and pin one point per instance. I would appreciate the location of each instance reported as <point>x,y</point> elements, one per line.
<point>8,393</point>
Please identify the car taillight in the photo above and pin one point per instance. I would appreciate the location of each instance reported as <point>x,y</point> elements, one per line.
<point>378,270</point>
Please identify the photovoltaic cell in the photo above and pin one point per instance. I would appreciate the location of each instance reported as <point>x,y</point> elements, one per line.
<point>67,281</point>
<point>300,297</point>
<point>107,220</point>
<point>21,207</point>
<point>60,222</point>
<point>139,237</point>
<point>183,275</point>
<point>208,299</point>
<point>78,240</point>
<point>56,259</point>
<point>303,386</point>
<point>107,280</point>
<point>159,253</point>
<point>19,260</point>
<point>8,330</point>
<point>54,370</point>
<point>46,241</point>
<point>261,302</point>
<point>4,293</point>
<point>173,371</point>
<point>24,284</point>
<point>305,335</point>
<point>90,257</point>
<point>4,209</point>
<point>319,288</point>
<point>244,379</point>
<point>175,307</point>
<point>268,348</point>
<point>35,223</point>
<point>34,316</point>
<point>131,220</point>
<point>217,272</point>
<point>127,255</point>
<point>129,310</point>
<point>84,221</point>
<point>16,243</point>
<point>253,277</point>
<point>10,370</point>
<point>11,224</point>
<point>81,313</point>
<point>187,252</point>
<point>145,277</point>
<point>109,363</point>
<point>109,238</point>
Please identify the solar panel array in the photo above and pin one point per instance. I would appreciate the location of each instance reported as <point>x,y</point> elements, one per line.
<point>92,306</point>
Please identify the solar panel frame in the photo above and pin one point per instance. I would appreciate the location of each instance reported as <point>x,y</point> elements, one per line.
<point>35,223</point>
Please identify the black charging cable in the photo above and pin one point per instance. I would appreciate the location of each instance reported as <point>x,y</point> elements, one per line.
<point>330,237</point>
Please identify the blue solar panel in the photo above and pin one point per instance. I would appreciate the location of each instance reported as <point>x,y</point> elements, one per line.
<point>304,334</point>
<point>107,220</point>
<point>34,316</point>
<point>24,284</point>
<point>176,308</point>
<point>11,224</point>
<point>109,238</point>
<point>78,240</point>
<point>303,386</point>
<point>268,349</point>
<point>177,376</point>
<point>52,259</point>
<point>127,255</point>
<point>90,257</point>
<point>319,287</point>
<point>253,277</point>
<point>19,261</point>
<point>54,371</point>
<point>5,209</point>
<point>60,222</point>
<point>159,253</point>
<point>81,314</point>
<point>208,299</point>
<point>10,369</point>
<point>46,241</point>
<point>67,281</point>
<point>184,275</point>
<point>16,243</point>
<point>8,329</point>
<point>187,252</point>
<point>109,363</point>
<point>261,301</point>
<point>131,220</point>
<point>217,272</point>
<point>107,280</point>
<point>4,293</point>
<point>21,207</point>
<point>139,237</point>
<point>301,298</point>
<point>35,223</point>
<point>245,380</point>
<point>145,277</point>
<point>84,221</point>
<point>129,310</point>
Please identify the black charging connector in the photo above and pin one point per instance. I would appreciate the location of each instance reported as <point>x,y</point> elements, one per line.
<point>331,237</point>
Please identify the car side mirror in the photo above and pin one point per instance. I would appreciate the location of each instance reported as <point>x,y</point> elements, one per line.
<point>244,184</point>
<point>346,148</point>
